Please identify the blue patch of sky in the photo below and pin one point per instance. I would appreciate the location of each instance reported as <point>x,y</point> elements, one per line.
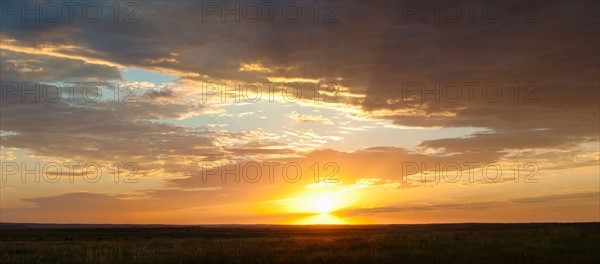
<point>274,118</point>
<point>140,75</point>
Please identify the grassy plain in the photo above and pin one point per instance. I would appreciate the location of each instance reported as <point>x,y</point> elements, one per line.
<point>451,243</point>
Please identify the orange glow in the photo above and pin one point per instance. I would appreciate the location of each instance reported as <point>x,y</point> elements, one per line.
<point>316,203</point>
<point>320,219</point>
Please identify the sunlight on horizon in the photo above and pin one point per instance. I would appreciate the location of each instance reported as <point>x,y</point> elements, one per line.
<point>316,208</point>
<point>321,219</point>
<point>322,202</point>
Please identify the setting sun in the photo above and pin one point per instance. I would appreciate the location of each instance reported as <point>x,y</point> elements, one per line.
<point>324,203</point>
<point>316,207</point>
<point>316,203</point>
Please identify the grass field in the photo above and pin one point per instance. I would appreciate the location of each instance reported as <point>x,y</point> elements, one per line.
<point>460,243</point>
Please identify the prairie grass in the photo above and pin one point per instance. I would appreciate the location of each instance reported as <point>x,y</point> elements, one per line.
<point>528,243</point>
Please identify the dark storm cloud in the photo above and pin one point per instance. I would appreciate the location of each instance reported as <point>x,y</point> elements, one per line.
<point>19,67</point>
<point>374,51</point>
<point>101,131</point>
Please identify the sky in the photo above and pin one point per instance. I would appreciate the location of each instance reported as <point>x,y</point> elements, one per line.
<point>336,112</point>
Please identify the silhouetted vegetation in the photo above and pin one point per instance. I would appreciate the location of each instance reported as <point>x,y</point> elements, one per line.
<point>462,243</point>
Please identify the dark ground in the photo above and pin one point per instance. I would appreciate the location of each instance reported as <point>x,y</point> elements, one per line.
<point>447,243</point>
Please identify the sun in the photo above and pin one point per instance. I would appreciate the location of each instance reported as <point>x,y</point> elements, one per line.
<point>315,203</point>
<point>319,208</point>
<point>320,219</point>
<point>324,203</point>
<point>316,207</point>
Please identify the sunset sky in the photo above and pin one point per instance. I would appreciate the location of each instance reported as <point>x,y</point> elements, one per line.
<point>333,116</point>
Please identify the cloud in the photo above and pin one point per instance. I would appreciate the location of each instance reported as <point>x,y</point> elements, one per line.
<point>110,208</point>
<point>385,163</point>
<point>18,67</point>
<point>309,118</point>
<point>557,53</point>
<point>470,206</point>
